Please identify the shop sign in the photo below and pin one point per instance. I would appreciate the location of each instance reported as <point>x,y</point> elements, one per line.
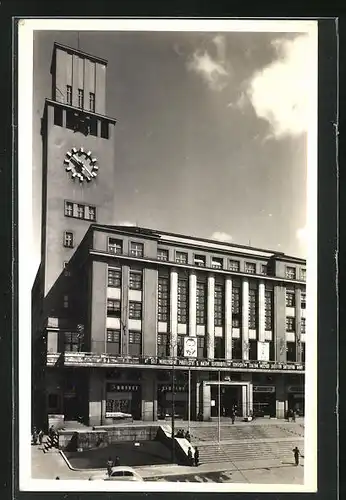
<point>122,387</point>
<point>295,389</point>
<point>263,388</point>
<point>177,388</point>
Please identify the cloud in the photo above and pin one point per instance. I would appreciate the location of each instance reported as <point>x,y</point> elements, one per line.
<point>213,70</point>
<point>220,236</point>
<point>281,92</point>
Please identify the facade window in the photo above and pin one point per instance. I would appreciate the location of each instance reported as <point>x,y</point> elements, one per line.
<point>219,348</point>
<point>58,115</point>
<point>163,344</point>
<point>68,209</point>
<point>217,263</point>
<point>303,325</point>
<point>80,211</point>
<point>180,346</point>
<point>201,348</point>
<point>183,301</point>
<point>252,309</point>
<point>268,307</point>
<point>264,269</point>
<point>253,355</point>
<point>163,299</point>
<point>69,94</point>
<point>113,341</point>
<point>114,278</point>
<point>201,304</point>
<point>135,343</point>
<point>115,246</point>
<point>218,305</point>
<point>68,239</point>
<point>135,310</point>
<point>71,342</point>
<point>92,101</point>
<point>92,213</point>
<point>303,300</point>
<point>236,307</point>
<point>113,308</point>
<point>65,301</point>
<point>303,274</point>
<point>81,98</point>
<point>136,280</point>
<point>290,299</point>
<point>181,257</point>
<point>290,273</point>
<point>234,265</point>
<point>199,260</point>
<point>302,346</point>
<point>291,351</point>
<point>236,349</point>
<point>104,129</point>
<point>162,254</point>
<point>250,267</point>
<point>136,249</point>
<point>290,324</point>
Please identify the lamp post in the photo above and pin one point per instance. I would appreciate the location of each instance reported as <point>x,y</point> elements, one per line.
<point>219,409</point>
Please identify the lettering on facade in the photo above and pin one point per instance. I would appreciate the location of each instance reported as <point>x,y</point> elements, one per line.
<point>263,388</point>
<point>122,387</point>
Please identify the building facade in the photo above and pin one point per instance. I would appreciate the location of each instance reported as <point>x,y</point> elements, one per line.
<point>128,319</point>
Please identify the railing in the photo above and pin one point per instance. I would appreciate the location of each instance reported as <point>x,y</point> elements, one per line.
<point>91,359</point>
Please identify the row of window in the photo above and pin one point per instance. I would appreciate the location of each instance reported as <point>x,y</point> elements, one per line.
<point>78,122</point>
<point>115,279</point>
<point>116,246</point>
<point>291,324</point>
<point>80,98</point>
<point>291,299</point>
<point>79,211</point>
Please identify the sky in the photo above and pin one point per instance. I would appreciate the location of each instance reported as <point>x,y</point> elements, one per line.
<point>211,133</point>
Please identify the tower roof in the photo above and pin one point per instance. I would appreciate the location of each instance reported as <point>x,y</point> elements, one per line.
<point>72,50</point>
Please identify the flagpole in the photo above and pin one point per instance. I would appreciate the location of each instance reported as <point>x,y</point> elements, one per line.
<point>219,410</point>
<point>189,401</point>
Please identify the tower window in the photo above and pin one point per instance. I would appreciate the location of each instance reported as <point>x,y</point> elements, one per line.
<point>68,239</point>
<point>92,213</point>
<point>69,94</point>
<point>80,98</point>
<point>68,209</point>
<point>92,102</point>
<point>80,211</point>
<point>104,129</point>
<point>58,116</point>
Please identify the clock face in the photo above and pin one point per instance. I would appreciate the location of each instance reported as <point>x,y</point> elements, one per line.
<point>82,165</point>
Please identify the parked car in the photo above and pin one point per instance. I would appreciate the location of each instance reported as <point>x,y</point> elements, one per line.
<point>121,473</point>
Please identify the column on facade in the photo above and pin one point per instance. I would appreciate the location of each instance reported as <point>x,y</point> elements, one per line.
<point>211,317</point>
<point>245,319</point>
<point>149,396</point>
<point>261,311</point>
<point>194,396</point>
<point>245,400</point>
<point>173,318</point>
<point>124,319</point>
<point>298,325</point>
<point>228,318</point>
<point>96,397</point>
<point>247,377</point>
<point>206,389</point>
<point>281,397</point>
<point>280,323</point>
<point>192,304</point>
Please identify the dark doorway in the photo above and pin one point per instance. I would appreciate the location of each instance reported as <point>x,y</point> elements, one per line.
<point>231,397</point>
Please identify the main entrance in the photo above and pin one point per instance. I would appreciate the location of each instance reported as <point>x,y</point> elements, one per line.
<point>219,398</point>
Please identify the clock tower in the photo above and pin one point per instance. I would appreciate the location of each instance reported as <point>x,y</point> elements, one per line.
<point>78,157</point>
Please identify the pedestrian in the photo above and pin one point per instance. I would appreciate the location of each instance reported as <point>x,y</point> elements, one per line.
<point>51,432</point>
<point>288,415</point>
<point>196,457</point>
<point>296,454</point>
<point>188,436</point>
<point>109,466</point>
<point>293,415</point>
<point>189,456</point>
<point>117,461</point>
<point>34,436</point>
<point>40,436</point>
<point>233,415</point>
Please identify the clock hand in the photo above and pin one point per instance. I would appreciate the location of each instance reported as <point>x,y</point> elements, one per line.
<point>82,166</point>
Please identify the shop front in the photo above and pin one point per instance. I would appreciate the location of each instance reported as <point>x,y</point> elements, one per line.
<point>264,401</point>
<point>123,399</point>
<point>165,399</point>
<point>295,396</point>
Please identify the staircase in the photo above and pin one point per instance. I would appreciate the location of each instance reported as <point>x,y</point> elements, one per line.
<point>237,452</point>
<point>247,432</point>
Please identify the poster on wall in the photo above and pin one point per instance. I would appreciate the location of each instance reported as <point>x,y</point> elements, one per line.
<point>190,347</point>
<point>263,351</point>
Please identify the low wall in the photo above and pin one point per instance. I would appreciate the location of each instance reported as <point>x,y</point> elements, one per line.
<point>57,420</point>
<point>102,436</point>
<point>181,445</point>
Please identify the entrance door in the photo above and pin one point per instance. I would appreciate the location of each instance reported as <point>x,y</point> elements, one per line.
<point>71,407</point>
<point>230,398</point>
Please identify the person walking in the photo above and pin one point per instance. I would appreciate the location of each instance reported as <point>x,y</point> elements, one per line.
<point>117,461</point>
<point>196,457</point>
<point>293,415</point>
<point>189,456</point>
<point>109,466</point>
<point>188,436</point>
<point>40,437</point>
<point>233,415</point>
<point>296,454</point>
